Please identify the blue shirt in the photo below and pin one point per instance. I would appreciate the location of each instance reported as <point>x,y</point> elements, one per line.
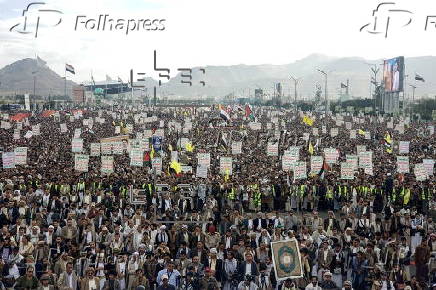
<point>173,277</point>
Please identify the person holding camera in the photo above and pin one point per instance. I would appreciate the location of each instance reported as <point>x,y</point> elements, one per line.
<point>248,283</point>
<point>209,282</point>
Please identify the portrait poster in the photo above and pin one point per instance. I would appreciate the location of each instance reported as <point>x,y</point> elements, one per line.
<point>286,259</point>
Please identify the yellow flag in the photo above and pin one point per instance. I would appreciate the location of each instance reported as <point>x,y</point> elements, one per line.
<point>176,166</point>
<point>152,152</point>
<point>227,175</point>
<point>361,132</point>
<point>310,148</point>
<point>407,196</point>
<point>307,121</point>
<point>189,147</point>
<point>388,138</point>
<point>170,147</point>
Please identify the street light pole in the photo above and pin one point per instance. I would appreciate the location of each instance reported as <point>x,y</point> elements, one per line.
<point>325,91</point>
<point>413,101</point>
<point>296,81</point>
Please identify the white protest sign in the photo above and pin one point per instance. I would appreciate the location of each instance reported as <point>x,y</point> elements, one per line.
<point>331,155</point>
<point>226,165</point>
<point>236,147</point>
<point>404,147</point>
<point>360,148</point>
<point>106,148</point>
<point>316,164</point>
<point>136,157</point>
<point>420,172</point>
<point>429,165</point>
<point>347,171</point>
<point>8,160</point>
<point>20,155</point>
<point>36,130</point>
<point>272,149</point>
<point>81,162</point>
<point>353,160</point>
<point>203,159</point>
<point>403,164</point>
<point>352,134</point>
<point>107,164</point>
<point>365,159</point>
<point>201,171</point>
<point>95,149</point>
<point>117,147</point>
<point>255,125</point>
<point>156,164</point>
<point>64,128</point>
<point>77,145</point>
<point>300,170</point>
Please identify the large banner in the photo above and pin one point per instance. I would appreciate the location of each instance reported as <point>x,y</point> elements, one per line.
<point>81,162</point>
<point>286,259</point>
<point>118,147</point>
<point>107,164</point>
<point>106,148</point>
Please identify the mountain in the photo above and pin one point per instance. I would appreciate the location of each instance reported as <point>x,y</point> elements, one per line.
<point>241,80</point>
<point>18,78</point>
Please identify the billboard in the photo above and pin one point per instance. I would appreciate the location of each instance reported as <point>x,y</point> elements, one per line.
<point>393,74</point>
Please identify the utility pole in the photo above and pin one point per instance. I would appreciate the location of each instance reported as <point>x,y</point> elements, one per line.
<point>375,71</point>
<point>413,101</point>
<point>296,81</point>
<point>325,91</point>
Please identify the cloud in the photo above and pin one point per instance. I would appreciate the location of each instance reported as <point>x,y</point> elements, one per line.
<point>202,33</point>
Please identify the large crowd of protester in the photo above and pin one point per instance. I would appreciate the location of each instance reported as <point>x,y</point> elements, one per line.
<point>65,229</point>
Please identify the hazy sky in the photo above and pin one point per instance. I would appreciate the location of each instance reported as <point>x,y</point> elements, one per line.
<point>204,32</point>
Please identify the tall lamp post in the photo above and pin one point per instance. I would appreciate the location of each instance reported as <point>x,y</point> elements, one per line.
<point>325,91</point>
<point>296,81</point>
<point>413,101</point>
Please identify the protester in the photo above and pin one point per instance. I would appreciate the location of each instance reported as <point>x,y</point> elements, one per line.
<point>144,220</point>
